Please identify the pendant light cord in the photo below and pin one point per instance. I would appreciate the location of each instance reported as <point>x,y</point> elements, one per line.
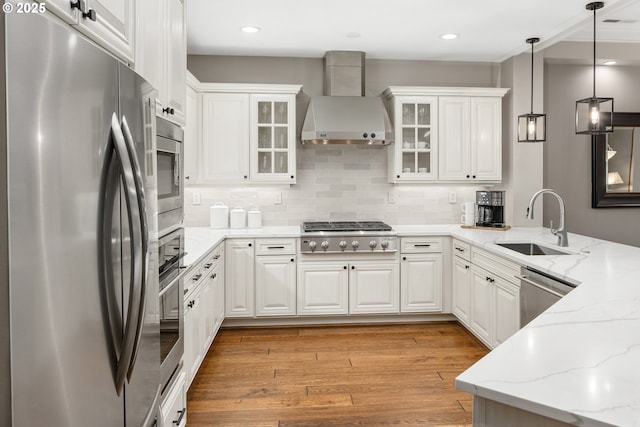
<point>532,78</point>
<point>594,51</point>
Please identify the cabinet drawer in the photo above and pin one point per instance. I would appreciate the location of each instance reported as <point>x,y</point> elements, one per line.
<point>462,250</point>
<point>174,405</point>
<point>276,247</point>
<point>495,264</point>
<point>414,245</point>
<point>193,278</point>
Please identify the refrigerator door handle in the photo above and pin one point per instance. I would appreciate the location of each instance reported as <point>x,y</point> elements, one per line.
<point>144,239</point>
<point>131,199</point>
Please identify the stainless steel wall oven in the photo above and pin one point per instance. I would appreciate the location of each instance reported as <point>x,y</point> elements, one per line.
<point>170,163</point>
<point>170,254</point>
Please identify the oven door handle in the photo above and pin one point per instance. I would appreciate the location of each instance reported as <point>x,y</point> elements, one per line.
<point>539,286</point>
<point>143,237</point>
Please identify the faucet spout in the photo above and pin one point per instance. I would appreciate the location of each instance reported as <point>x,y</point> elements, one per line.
<point>561,231</point>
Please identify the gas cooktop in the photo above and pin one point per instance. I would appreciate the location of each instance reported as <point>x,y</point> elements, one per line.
<point>342,226</point>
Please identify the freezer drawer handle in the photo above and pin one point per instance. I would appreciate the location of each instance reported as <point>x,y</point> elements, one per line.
<point>181,415</point>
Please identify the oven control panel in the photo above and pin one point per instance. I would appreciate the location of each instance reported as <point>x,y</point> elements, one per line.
<point>348,244</point>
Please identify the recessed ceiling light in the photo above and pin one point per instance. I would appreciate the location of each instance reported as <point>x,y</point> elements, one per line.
<point>610,62</point>
<point>449,36</point>
<point>250,29</point>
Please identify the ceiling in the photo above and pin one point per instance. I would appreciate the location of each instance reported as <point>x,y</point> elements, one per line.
<point>489,30</point>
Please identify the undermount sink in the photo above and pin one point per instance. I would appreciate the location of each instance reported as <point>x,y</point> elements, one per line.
<point>530,248</point>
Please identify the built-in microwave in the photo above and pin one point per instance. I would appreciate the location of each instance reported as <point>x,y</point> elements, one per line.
<point>170,254</point>
<point>170,164</point>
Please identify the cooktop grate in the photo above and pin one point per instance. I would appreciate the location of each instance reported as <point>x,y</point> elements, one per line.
<point>338,226</point>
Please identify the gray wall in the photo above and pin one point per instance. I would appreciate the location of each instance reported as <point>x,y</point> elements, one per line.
<point>567,156</point>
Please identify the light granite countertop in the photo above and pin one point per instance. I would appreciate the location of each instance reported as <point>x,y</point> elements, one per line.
<point>578,362</point>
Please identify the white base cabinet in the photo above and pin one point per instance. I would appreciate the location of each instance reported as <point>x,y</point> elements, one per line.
<point>373,288</point>
<point>173,409</point>
<point>276,285</point>
<point>323,289</point>
<point>240,279</point>
<point>421,274</point>
<point>482,305</point>
<point>462,290</point>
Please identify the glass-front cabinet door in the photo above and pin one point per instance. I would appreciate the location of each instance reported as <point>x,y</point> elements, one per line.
<point>273,145</point>
<point>415,156</point>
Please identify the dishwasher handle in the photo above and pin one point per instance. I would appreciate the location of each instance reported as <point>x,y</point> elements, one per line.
<point>539,286</point>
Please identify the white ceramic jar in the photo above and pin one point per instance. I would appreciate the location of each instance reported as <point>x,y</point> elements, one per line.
<point>254,218</point>
<point>238,217</point>
<point>219,215</point>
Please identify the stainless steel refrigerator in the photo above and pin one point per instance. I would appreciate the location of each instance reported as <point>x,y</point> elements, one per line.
<point>82,240</point>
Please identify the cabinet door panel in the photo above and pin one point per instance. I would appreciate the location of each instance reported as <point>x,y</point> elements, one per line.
<point>323,289</point>
<point>486,138</point>
<point>191,138</point>
<point>507,310</point>
<point>462,290</point>
<point>176,60</point>
<point>113,27</point>
<point>275,285</point>
<point>482,305</point>
<point>453,143</point>
<point>373,288</point>
<point>225,137</point>
<point>239,269</point>
<point>421,282</point>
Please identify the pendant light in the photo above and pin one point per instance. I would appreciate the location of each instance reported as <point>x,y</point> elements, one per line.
<point>532,127</point>
<point>594,115</point>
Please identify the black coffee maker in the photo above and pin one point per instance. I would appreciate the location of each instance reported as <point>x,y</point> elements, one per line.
<point>490,209</point>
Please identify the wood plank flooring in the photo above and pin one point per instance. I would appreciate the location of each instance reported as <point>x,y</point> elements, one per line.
<point>371,375</point>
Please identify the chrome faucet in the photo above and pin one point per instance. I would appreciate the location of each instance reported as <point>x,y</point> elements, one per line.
<point>561,231</point>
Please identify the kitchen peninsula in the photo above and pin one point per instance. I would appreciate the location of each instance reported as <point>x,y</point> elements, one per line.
<point>577,363</point>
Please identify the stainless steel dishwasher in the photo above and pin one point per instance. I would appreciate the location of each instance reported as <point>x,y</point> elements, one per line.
<point>539,291</point>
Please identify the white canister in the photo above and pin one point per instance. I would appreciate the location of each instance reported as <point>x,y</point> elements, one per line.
<point>219,215</point>
<point>238,217</point>
<point>254,218</point>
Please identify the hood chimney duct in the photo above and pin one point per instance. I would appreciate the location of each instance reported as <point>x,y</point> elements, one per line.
<point>344,73</point>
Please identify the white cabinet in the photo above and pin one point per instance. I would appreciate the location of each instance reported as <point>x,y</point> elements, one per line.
<point>192,131</point>
<point>161,53</point>
<point>248,133</point>
<point>273,138</point>
<point>462,290</point>
<point>194,331</point>
<point>239,278</point>
<point>323,288</point>
<point>109,23</point>
<point>173,408</point>
<point>421,274</point>
<point>218,292</point>
<point>414,156</point>
<point>225,137</point>
<point>373,287</point>
<point>275,285</point>
<point>482,305</point>
<point>470,138</point>
<point>485,293</point>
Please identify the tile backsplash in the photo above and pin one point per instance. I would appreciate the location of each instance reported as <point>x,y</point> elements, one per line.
<point>336,182</point>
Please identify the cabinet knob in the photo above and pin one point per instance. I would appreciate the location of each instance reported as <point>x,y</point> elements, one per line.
<point>291,176</point>
<point>345,267</point>
<point>397,176</point>
<point>168,110</point>
<point>249,244</point>
<point>91,14</point>
<point>466,267</point>
<point>474,177</point>
<point>404,258</point>
<point>293,260</point>
<point>245,177</point>
<point>468,176</point>
<point>353,267</point>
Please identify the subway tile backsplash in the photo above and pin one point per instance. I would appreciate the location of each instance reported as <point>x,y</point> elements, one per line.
<point>339,182</point>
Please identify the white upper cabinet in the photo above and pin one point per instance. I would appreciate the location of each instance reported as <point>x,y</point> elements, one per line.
<point>191,131</point>
<point>414,156</point>
<point>248,133</point>
<point>108,23</point>
<point>161,53</point>
<point>445,134</point>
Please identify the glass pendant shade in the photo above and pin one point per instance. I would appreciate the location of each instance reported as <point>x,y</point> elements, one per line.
<point>594,116</point>
<point>532,127</point>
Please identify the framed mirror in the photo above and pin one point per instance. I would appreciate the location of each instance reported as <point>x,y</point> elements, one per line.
<point>615,168</point>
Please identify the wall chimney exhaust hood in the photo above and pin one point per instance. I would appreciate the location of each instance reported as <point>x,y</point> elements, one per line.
<point>343,115</point>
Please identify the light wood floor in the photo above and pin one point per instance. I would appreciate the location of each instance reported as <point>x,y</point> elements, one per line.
<point>335,376</point>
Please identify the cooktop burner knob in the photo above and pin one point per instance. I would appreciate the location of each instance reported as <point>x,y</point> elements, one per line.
<point>312,245</point>
<point>343,244</point>
<point>355,244</point>
<point>384,244</point>
<point>324,245</point>
<point>373,244</point>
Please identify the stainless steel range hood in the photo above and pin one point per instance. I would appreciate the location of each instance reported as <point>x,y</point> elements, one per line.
<point>343,115</point>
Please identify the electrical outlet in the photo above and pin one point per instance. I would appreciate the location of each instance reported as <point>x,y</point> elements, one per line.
<point>278,198</point>
<point>196,198</point>
<point>452,197</point>
<point>391,198</point>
